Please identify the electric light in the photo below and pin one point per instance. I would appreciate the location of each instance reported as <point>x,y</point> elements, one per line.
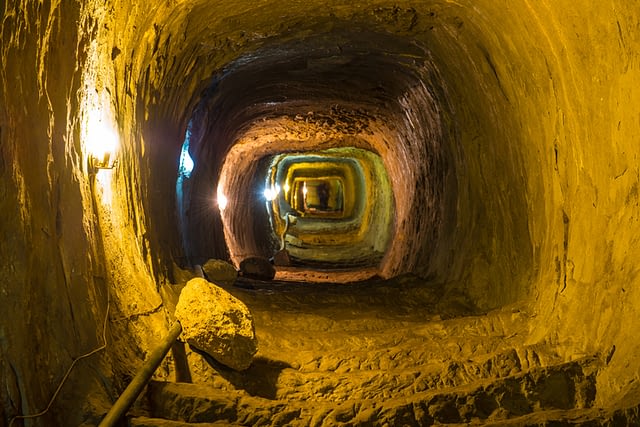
<point>186,162</point>
<point>271,193</point>
<point>102,142</point>
<point>221,199</point>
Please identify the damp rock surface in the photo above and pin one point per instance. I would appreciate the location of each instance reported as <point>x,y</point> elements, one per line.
<point>217,323</point>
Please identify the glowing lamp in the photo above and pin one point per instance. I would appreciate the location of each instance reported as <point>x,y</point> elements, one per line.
<point>105,160</point>
<point>186,162</point>
<point>271,193</point>
<point>102,146</point>
<point>221,199</point>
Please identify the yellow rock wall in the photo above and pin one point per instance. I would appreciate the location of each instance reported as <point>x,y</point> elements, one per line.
<point>543,102</point>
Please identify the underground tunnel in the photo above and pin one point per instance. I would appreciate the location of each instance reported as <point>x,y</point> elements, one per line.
<point>444,195</point>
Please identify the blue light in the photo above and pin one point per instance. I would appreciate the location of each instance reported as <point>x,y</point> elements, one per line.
<point>186,162</point>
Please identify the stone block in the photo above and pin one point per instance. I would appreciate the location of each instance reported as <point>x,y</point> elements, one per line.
<point>217,323</point>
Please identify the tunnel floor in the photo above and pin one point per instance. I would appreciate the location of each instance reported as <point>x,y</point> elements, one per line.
<point>378,352</point>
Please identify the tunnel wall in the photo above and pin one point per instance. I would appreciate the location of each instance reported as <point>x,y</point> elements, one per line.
<point>53,291</point>
<point>544,101</point>
<point>73,242</point>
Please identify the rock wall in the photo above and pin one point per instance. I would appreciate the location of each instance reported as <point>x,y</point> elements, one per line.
<point>73,242</point>
<point>534,124</point>
<point>53,283</point>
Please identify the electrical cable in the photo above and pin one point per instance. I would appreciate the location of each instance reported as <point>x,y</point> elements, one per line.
<point>73,364</point>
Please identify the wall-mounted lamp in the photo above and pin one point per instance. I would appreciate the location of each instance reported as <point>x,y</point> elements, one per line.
<point>102,143</point>
<point>221,199</point>
<point>270,193</point>
<point>106,160</point>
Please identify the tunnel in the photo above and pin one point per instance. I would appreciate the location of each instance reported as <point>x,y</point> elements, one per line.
<point>454,186</point>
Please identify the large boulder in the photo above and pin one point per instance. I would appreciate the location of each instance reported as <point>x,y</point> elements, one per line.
<point>220,272</point>
<point>257,268</point>
<point>217,323</point>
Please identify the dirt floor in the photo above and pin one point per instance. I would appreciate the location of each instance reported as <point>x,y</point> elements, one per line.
<point>375,352</point>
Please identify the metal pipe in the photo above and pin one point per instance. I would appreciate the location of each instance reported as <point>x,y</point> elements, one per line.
<point>289,219</point>
<point>284,232</point>
<point>130,394</point>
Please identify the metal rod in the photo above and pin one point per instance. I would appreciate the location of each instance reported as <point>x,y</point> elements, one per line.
<point>284,232</point>
<point>130,394</point>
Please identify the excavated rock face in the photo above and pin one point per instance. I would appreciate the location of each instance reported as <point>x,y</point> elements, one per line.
<point>495,164</point>
<point>217,323</point>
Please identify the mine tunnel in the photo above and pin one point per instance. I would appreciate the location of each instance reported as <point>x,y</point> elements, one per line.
<point>454,187</point>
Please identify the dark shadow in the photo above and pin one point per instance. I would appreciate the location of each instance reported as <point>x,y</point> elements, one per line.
<point>260,379</point>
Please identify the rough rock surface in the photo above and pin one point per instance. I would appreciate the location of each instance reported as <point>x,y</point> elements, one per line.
<point>257,268</point>
<point>363,355</point>
<point>217,323</point>
<point>219,271</point>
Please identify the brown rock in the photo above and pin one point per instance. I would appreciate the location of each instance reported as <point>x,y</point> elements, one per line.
<point>282,258</point>
<point>220,272</point>
<point>217,323</point>
<point>257,268</point>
